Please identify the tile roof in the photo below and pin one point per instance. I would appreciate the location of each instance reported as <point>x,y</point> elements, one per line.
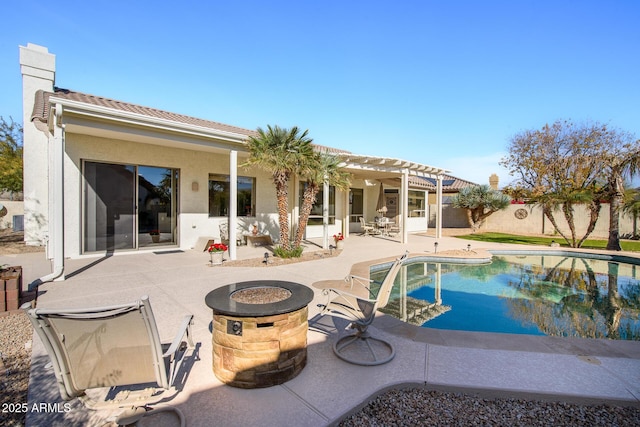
<point>41,113</point>
<point>449,183</point>
<point>41,110</point>
<point>42,105</point>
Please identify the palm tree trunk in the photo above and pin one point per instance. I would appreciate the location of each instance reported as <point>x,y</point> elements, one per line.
<point>282,195</point>
<point>308,199</point>
<point>567,209</point>
<point>547,212</point>
<point>613,244</point>
<point>594,209</point>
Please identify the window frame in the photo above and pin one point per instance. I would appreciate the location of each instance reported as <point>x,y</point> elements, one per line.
<point>225,193</point>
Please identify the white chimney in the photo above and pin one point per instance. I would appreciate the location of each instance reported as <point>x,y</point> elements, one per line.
<point>38,68</point>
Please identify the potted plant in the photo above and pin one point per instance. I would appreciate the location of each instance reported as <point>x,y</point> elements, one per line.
<point>339,240</point>
<point>155,235</point>
<point>216,252</point>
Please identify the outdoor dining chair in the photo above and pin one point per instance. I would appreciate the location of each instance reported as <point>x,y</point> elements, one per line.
<point>359,307</point>
<point>367,229</point>
<point>115,350</point>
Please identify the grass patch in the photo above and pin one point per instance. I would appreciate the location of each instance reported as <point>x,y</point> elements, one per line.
<point>627,245</point>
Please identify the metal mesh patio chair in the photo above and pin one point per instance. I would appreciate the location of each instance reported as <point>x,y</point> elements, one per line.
<point>359,307</point>
<point>116,349</point>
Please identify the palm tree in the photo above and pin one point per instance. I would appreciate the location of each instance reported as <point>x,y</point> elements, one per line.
<point>565,200</point>
<point>322,167</point>
<point>480,201</point>
<point>622,162</point>
<point>283,153</point>
<point>632,207</point>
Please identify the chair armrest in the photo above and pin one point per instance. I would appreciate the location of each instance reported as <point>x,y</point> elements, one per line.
<point>359,280</point>
<point>345,293</point>
<point>185,329</point>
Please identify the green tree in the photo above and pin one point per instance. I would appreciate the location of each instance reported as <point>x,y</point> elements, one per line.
<point>480,202</point>
<point>321,167</point>
<point>10,156</point>
<point>283,153</point>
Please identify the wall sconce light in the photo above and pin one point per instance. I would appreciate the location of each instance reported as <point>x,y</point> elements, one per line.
<point>195,186</point>
<point>435,247</point>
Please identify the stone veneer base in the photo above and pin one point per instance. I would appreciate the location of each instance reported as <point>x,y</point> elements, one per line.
<point>270,351</point>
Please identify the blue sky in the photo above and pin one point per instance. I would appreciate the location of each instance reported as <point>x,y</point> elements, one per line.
<point>445,83</point>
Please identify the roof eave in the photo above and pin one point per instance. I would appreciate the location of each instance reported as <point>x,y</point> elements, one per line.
<point>136,119</point>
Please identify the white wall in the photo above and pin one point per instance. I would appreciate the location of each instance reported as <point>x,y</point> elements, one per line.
<point>194,166</point>
<point>37,66</point>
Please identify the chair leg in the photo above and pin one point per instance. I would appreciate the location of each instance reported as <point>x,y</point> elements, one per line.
<point>364,337</point>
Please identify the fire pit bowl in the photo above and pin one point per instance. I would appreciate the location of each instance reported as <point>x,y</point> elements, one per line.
<point>259,332</point>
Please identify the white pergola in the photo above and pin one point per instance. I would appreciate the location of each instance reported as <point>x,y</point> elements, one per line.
<point>386,168</point>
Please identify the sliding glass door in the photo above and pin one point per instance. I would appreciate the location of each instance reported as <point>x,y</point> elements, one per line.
<point>156,203</point>
<point>128,206</point>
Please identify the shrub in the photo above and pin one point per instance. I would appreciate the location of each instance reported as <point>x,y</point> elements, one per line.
<point>280,252</point>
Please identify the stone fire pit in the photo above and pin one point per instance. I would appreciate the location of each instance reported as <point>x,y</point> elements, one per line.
<point>259,332</point>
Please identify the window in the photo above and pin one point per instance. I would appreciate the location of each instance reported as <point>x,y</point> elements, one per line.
<point>315,218</point>
<point>416,204</point>
<point>356,204</point>
<point>219,194</point>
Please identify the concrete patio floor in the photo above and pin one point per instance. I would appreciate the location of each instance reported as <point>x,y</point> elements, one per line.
<point>327,388</point>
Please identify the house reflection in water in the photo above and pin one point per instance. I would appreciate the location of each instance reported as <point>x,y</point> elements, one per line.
<point>412,310</point>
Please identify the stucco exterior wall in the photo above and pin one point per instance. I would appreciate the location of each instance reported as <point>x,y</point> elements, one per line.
<point>529,220</point>
<point>14,207</point>
<point>194,166</point>
<point>37,66</point>
<point>451,217</point>
<point>506,221</point>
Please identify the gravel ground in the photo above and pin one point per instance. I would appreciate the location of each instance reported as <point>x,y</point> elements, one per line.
<point>420,407</point>
<point>15,346</point>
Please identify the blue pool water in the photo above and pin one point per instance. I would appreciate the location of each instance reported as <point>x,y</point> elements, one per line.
<point>521,294</point>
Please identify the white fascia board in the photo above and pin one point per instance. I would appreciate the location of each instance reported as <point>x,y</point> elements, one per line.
<point>363,162</point>
<point>126,117</point>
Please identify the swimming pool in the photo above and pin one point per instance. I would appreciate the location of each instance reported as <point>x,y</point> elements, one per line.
<point>556,295</point>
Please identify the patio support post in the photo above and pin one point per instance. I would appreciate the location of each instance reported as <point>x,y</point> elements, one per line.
<point>325,214</point>
<point>233,203</point>
<point>404,203</point>
<point>439,208</point>
<point>346,218</point>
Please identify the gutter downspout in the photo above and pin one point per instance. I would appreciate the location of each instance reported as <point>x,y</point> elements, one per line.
<point>56,202</point>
